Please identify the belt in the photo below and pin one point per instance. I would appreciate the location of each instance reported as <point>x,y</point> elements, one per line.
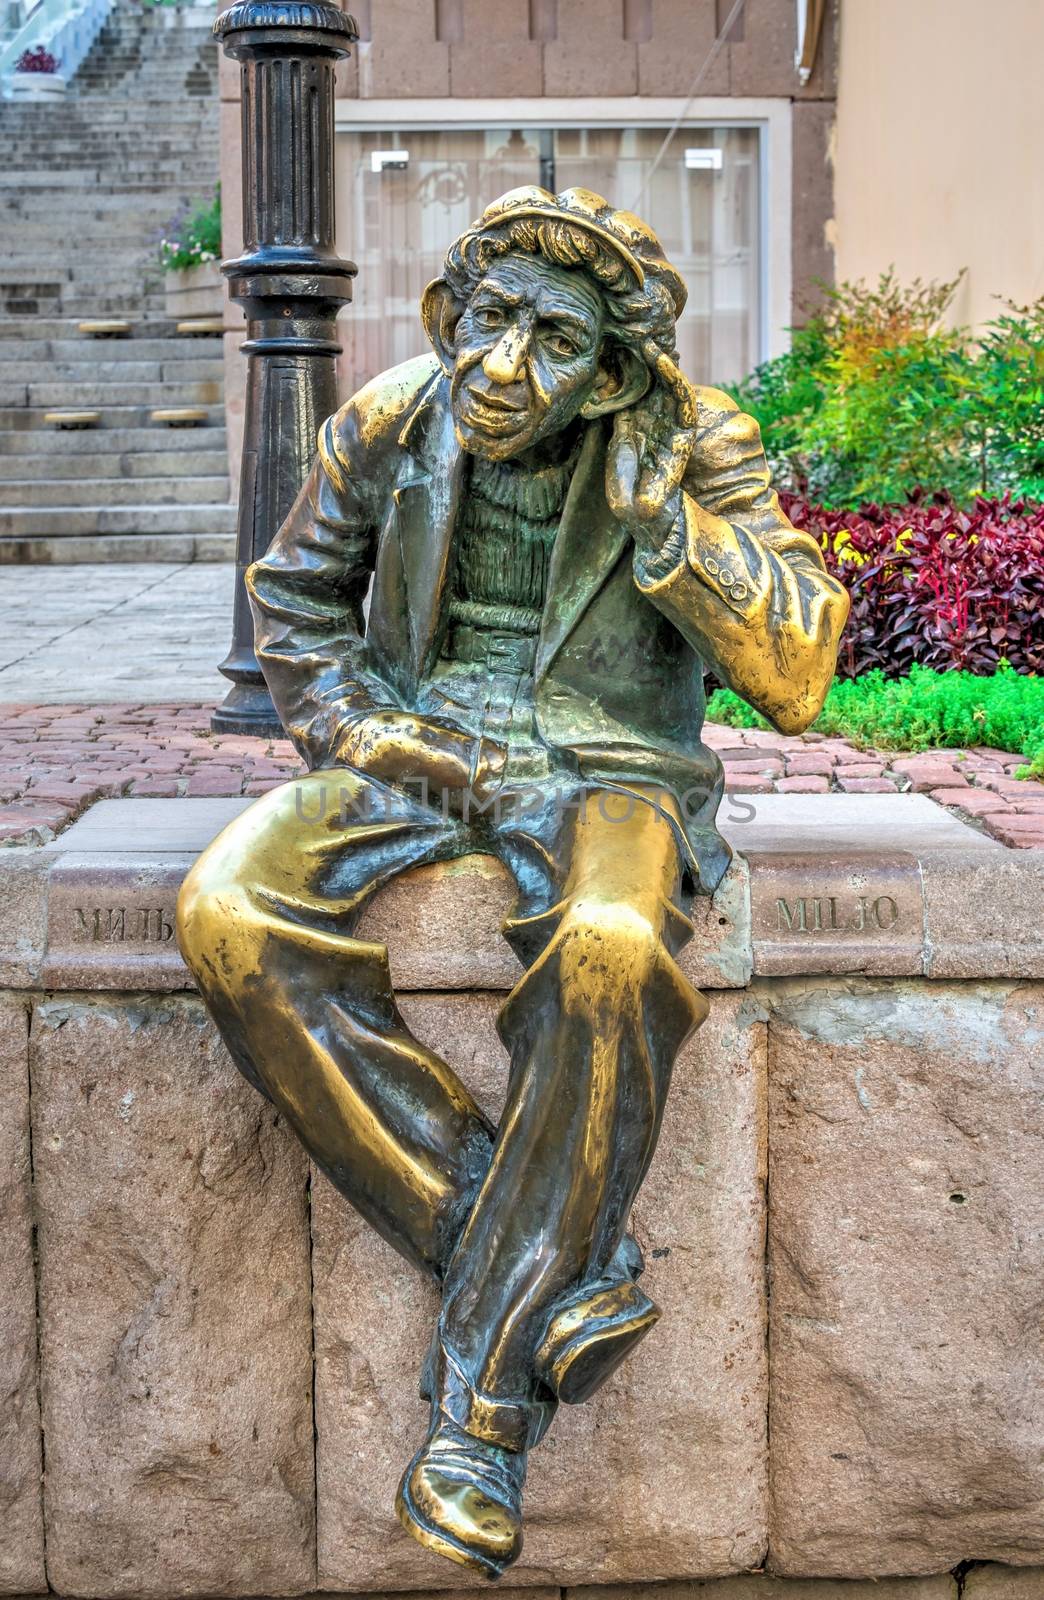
<point>499,650</point>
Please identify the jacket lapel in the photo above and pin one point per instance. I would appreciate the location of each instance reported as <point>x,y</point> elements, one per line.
<point>426,499</point>
<point>588,546</point>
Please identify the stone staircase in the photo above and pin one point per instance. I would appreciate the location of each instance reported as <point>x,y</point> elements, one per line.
<point>89,184</point>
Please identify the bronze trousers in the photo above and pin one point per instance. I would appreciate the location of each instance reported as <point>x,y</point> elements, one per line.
<point>510,1220</point>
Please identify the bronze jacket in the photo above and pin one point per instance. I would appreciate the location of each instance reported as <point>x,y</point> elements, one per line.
<point>624,640</point>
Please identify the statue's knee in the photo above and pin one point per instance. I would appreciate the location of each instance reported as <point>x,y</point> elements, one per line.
<point>607,946</point>
<point>211,905</point>
<point>217,894</point>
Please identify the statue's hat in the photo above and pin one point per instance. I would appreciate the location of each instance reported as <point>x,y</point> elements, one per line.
<point>632,240</point>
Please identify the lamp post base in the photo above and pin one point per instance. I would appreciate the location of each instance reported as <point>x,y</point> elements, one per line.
<point>248,709</point>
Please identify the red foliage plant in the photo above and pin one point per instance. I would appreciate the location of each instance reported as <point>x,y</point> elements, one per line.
<point>935,585</point>
<point>38,60</point>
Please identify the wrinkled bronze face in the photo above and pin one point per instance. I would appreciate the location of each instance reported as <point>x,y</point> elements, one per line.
<point>528,351</point>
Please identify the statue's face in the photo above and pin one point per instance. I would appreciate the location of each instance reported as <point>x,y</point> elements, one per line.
<point>527,355</point>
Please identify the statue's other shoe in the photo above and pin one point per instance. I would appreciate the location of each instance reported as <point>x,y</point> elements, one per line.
<point>588,1338</point>
<point>462,1498</point>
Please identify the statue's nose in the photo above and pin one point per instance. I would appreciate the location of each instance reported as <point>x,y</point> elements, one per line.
<point>507,357</point>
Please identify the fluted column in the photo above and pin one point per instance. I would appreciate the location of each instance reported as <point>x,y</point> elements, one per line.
<point>290,283</point>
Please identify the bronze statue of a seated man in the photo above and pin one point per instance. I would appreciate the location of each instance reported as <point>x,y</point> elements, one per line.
<point>562,533</point>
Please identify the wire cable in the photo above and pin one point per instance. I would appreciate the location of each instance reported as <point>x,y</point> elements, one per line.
<point>708,61</point>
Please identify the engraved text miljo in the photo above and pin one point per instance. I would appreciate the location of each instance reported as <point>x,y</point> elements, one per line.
<point>830,914</point>
<point>124,924</point>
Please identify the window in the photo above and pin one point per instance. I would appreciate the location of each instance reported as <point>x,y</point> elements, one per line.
<point>404,195</point>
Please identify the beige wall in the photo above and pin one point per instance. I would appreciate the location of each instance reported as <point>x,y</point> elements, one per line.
<point>940,145</point>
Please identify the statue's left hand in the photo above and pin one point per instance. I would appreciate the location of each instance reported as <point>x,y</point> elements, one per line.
<point>648,453</point>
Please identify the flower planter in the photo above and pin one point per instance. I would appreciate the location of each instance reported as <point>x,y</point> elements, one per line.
<point>195,291</point>
<point>36,86</point>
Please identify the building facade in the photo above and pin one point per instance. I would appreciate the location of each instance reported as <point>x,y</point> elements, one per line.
<point>721,142</point>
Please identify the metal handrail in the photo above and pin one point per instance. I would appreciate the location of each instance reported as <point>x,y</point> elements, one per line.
<point>67,28</point>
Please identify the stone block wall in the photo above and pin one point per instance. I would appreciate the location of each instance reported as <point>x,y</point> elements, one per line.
<point>208,1365</point>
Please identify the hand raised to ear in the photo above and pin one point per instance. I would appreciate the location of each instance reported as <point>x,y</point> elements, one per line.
<point>649,451</point>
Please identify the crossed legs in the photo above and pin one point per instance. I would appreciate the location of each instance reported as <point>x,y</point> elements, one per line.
<point>525,1227</point>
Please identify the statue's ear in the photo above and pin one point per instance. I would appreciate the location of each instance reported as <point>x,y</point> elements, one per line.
<point>623,378</point>
<point>440,313</point>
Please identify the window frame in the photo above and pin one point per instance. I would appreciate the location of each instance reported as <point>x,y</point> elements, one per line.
<point>771,117</point>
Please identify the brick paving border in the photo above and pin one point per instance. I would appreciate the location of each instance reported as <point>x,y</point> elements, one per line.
<point>55,760</point>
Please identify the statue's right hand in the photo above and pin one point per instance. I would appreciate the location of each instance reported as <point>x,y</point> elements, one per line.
<point>397,747</point>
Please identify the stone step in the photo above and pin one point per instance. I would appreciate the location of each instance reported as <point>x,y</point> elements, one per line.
<point>116,113</point>
<point>131,152</point>
<point>133,169</point>
<point>153,327</point>
<point>164,491</point>
<point>95,371</point>
<point>15,370</point>
<point>79,549</point>
<point>22,177</point>
<point>58,465</point>
<point>30,418</point>
<point>176,180</point>
<point>136,443</point>
<point>76,396</point>
<point>63,521</point>
<point>134,166</point>
<point>118,230</point>
<point>29,302</point>
<point>80,308</point>
<point>17,273</point>
<point>100,234</point>
<point>131,103</point>
<point>86,275</point>
<point>72,395</point>
<point>135,289</point>
<point>171,112</point>
<point>166,130</point>
<point>26,266</point>
<point>91,204</point>
<point>109,112</point>
<point>133,268</point>
<point>83,145</point>
<point>121,352</point>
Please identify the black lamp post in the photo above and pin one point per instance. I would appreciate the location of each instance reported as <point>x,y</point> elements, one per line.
<point>290,283</point>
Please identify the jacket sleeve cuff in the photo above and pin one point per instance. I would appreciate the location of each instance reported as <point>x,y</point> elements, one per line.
<point>653,566</point>
<point>709,549</point>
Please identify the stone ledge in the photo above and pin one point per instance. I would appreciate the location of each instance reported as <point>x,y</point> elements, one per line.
<point>181,1269</point>
<point>883,885</point>
<point>988,1581</point>
<point>764,1586</point>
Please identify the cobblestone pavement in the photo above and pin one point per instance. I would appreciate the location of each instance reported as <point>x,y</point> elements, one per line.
<point>108,673</point>
<point>144,631</point>
<point>57,759</point>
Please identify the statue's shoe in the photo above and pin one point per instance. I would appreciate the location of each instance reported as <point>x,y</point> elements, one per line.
<point>588,1338</point>
<point>462,1498</point>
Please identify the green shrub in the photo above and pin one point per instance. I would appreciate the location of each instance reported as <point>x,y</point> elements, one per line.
<point>1007,417</point>
<point>876,398</point>
<point>193,236</point>
<point>922,711</point>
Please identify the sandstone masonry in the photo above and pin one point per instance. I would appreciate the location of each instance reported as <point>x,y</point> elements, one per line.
<point>842,1224</point>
